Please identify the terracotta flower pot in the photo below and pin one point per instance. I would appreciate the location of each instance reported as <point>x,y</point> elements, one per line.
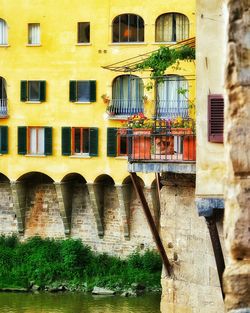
<point>181,131</point>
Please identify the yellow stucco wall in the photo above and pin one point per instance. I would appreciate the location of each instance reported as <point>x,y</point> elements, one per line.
<point>210,59</point>
<point>58,60</point>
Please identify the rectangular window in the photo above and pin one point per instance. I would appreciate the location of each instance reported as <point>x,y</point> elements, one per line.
<point>117,142</point>
<point>82,91</point>
<point>80,140</point>
<point>83,32</point>
<point>34,34</point>
<point>33,90</point>
<point>36,140</point>
<point>122,142</point>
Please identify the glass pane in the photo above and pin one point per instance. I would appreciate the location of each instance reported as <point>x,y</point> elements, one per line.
<point>123,145</point>
<point>34,93</point>
<point>83,91</point>
<point>141,29</point>
<point>40,143</point>
<point>124,28</point>
<point>83,32</point>
<point>133,28</point>
<point>3,32</point>
<point>77,140</point>
<point>116,29</point>
<point>34,33</point>
<point>85,140</point>
<point>32,147</point>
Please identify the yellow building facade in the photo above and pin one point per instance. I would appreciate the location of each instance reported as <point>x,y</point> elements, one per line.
<point>59,56</point>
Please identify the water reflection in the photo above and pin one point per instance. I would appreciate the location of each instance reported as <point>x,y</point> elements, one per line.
<point>76,303</point>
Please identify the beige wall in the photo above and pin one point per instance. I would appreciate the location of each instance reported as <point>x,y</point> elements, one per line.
<point>210,59</point>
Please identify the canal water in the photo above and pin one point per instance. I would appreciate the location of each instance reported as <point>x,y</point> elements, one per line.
<point>77,303</point>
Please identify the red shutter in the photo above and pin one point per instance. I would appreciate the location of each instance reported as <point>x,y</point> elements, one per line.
<point>215,118</point>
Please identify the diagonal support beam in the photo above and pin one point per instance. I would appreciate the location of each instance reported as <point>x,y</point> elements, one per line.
<point>218,254</point>
<point>151,223</point>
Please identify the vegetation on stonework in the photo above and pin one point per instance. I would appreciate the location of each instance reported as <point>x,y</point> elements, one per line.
<point>165,57</point>
<point>51,263</point>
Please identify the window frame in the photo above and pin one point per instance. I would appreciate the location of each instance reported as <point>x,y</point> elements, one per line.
<point>4,33</point>
<point>73,91</point>
<point>173,27</point>
<point>79,42</point>
<point>29,128</point>
<point>127,28</point>
<point>30,30</point>
<point>73,148</point>
<point>25,91</point>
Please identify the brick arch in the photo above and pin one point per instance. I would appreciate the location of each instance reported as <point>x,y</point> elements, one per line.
<point>73,177</point>
<point>35,177</point>
<point>104,179</point>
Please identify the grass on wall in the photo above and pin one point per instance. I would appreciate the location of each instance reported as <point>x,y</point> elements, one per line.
<point>50,262</point>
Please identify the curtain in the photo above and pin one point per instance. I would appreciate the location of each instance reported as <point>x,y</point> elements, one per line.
<point>164,28</point>
<point>3,33</point>
<point>127,94</point>
<point>170,102</point>
<point>34,34</point>
<point>182,27</point>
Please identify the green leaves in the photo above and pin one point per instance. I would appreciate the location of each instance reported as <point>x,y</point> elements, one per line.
<point>160,60</point>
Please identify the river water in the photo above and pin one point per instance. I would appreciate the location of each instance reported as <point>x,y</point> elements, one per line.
<point>76,303</point>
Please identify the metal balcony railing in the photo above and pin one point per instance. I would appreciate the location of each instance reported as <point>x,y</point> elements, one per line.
<point>171,108</point>
<point>125,106</point>
<point>161,145</point>
<point>3,108</point>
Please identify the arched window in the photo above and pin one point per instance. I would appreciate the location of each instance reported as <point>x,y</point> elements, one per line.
<point>170,101</point>
<point>128,28</point>
<point>3,97</point>
<point>171,27</point>
<point>127,95</point>
<point>3,32</point>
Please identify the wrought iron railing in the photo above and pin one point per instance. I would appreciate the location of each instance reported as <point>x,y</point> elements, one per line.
<point>171,108</point>
<point>3,108</point>
<point>125,106</point>
<point>161,145</point>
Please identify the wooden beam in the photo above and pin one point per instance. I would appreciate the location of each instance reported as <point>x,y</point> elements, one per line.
<point>151,223</point>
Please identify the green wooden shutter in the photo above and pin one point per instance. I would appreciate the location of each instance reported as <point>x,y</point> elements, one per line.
<point>93,141</point>
<point>42,90</point>
<point>72,91</point>
<point>111,141</point>
<point>92,91</point>
<point>4,139</point>
<point>22,139</point>
<point>23,90</point>
<point>47,140</point>
<point>66,140</point>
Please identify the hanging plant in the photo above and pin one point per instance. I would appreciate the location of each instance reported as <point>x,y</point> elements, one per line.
<point>163,58</point>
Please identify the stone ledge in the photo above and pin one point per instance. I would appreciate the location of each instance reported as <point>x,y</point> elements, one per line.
<point>206,206</point>
<point>182,168</point>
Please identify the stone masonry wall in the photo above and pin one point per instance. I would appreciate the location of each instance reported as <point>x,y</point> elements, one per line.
<point>195,286</point>
<point>237,147</point>
<point>8,220</point>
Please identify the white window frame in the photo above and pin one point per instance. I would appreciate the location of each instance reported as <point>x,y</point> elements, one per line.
<point>3,33</point>
<point>36,140</point>
<point>34,34</point>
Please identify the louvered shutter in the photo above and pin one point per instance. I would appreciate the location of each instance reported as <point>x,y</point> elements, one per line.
<point>92,92</point>
<point>111,142</point>
<point>215,118</point>
<point>42,90</point>
<point>93,141</point>
<point>22,139</point>
<point>47,140</point>
<point>72,91</point>
<point>4,139</point>
<point>23,90</point>
<point>66,140</point>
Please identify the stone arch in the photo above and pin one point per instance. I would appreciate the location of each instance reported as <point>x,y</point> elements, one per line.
<point>8,216</point>
<point>38,205</point>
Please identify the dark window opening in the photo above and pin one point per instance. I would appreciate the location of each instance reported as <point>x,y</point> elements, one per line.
<point>83,32</point>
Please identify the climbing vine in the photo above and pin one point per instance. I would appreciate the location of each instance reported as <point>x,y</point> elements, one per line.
<point>164,57</point>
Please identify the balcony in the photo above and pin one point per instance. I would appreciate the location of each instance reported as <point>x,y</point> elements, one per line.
<point>3,108</point>
<point>161,150</point>
<point>119,108</point>
<point>166,108</point>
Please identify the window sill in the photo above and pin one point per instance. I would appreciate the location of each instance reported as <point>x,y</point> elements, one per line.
<point>33,101</point>
<point>33,45</point>
<point>82,102</point>
<point>164,43</point>
<point>121,157</point>
<point>80,156</point>
<point>127,43</point>
<point>84,44</point>
<point>36,155</point>
<point>4,46</point>
<point>118,117</point>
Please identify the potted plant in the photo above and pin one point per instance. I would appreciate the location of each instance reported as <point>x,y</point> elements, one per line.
<point>105,98</point>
